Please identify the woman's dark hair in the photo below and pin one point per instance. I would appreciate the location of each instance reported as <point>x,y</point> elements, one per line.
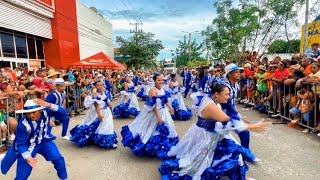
<point>298,73</point>
<point>217,88</point>
<point>172,75</point>
<point>65,77</point>
<point>155,76</point>
<point>28,85</point>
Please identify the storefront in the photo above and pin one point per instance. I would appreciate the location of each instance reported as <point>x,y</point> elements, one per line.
<point>24,25</point>
<point>54,32</point>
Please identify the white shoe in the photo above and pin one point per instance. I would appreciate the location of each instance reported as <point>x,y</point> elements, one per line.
<point>67,138</point>
<point>115,146</point>
<point>318,135</point>
<point>12,137</point>
<point>250,179</point>
<point>306,131</point>
<point>257,160</point>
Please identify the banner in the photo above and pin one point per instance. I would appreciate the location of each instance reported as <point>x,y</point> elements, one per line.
<point>313,36</point>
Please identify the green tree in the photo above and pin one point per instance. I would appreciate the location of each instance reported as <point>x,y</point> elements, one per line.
<point>141,48</point>
<point>251,25</point>
<point>188,50</point>
<point>282,46</point>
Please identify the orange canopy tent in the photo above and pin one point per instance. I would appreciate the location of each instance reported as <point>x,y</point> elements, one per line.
<point>99,61</point>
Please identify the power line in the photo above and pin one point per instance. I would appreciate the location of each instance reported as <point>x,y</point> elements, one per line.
<point>129,10</point>
<point>134,11</point>
<point>120,12</point>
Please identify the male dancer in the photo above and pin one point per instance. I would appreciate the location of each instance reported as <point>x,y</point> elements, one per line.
<point>58,97</point>
<point>33,136</point>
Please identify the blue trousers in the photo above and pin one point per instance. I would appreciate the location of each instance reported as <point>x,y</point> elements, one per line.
<point>244,138</point>
<point>51,153</point>
<point>65,125</point>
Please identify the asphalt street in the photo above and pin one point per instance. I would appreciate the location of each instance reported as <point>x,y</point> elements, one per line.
<point>285,153</point>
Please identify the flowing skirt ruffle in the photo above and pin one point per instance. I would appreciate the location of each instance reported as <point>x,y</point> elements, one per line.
<point>93,131</point>
<point>145,137</point>
<point>181,111</point>
<point>157,144</point>
<point>124,110</point>
<point>205,155</point>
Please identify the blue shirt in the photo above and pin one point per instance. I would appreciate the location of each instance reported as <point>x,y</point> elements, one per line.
<point>56,98</point>
<point>32,133</point>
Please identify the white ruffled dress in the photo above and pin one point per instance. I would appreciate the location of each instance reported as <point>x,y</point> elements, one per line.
<point>182,112</point>
<point>144,136</point>
<point>129,105</point>
<point>207,151</point>
<point>91,129</point>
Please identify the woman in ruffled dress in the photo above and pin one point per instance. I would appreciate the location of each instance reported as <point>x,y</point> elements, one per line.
<point>208,150</point>
<point>181,111</point>
<point>97,126</point>
<point>153,131</point>
<point>129,105</point>
<point>147,84</point>
<point>166,81</point>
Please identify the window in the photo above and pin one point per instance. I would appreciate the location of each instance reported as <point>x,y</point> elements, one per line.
<point>7,45</point>
<point>40,49</point>
<point>21,47</point>
<point>168,65</point>
<point>43,64</point>
<point>32,48</point>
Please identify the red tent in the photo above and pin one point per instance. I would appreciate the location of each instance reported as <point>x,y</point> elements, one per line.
<point>99,61</point>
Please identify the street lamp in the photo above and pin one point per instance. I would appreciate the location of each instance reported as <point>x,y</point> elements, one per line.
<point>189,42</point>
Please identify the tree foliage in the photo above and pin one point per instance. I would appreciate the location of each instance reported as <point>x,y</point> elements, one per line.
<point>182,52</point>
<point>141,48</point>
<point>282,46</point>
<point>252,25</point>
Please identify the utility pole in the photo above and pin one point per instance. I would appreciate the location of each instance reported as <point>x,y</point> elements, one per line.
<point>189,45</point>
<point>136,30</point>
<point>305,44</point>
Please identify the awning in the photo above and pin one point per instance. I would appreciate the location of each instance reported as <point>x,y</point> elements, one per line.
<point>99,61</point>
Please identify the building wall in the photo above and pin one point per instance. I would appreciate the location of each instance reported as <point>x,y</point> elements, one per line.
<point>63,49</point>
<point>95,33</point>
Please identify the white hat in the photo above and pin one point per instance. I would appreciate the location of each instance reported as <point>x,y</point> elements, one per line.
<point>229,68</point>
<point>100,75</point>
<point>211,68</point>
<point>30,106</point>
<point>59,81</point>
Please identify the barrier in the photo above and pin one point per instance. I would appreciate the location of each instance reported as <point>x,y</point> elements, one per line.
<point>281,98</point>
<point>6,113</point>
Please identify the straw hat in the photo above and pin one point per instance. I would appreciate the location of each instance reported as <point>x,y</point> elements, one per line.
<point>52,73</point>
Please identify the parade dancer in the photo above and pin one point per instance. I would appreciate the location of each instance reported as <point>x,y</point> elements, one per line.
<point>190,83</point>
<point>58,97</point>
<point>232,76</point>
<point>206,81</point>
<point>166,81</point>
<point>129,105</point>
<point>144,91</point>
<point>153,131</point>
<point>97,126</point>
<point>107,85</point>
<point>33,136</point>
<point>208,151</point>
<point>181,111</point>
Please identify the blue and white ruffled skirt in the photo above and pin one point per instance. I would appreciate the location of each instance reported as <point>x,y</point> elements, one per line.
<point>205,155</point>
<point>145,137</point>
<point>93,131</point>
<point>128,107</point>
